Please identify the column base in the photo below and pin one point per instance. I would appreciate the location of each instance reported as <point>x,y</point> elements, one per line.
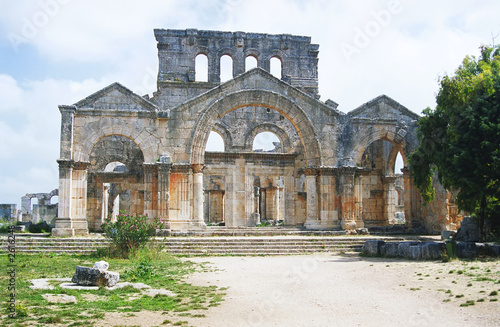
<point>70,227</point>
<point>314,224</point>
<point>198,225</point>
<point>348,224</point>
<point>62,232</point>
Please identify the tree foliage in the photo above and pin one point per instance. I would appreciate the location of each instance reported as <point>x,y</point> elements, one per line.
<point>460,139</point>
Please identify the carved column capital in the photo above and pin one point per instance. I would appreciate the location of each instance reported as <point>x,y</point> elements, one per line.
<point>81,165</point>
<point>310,171</point>
<point>65,163</point>
<point>198,168</point>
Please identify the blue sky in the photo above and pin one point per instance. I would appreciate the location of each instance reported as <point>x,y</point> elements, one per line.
<point>56,52</point>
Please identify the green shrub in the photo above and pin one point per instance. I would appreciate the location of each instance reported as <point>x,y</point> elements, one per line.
<point>130,232</point>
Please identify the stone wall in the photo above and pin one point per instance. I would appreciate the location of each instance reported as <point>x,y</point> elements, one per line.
<point>329,170</point>
<point>8,211</point>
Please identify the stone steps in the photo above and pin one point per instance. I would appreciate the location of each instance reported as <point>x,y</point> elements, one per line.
<point>253,245</point>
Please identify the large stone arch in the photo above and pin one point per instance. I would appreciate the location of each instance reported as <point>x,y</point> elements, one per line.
<point>268,127</point>
<point>116,148</point>
<point>268,99</point>
<point>145,140</point>
<point>360,147</point>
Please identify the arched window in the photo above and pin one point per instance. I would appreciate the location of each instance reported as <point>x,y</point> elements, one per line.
<point>115,167</point>
<point>399,164</point>
<point>250,63</point>
<point>276,67</point>
<point>215,143</point>
<point>266,142</point>
<point>226,68</point>
<point>201,68</point>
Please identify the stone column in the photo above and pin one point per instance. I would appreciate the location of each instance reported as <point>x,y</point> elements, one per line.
<point>67,117</point>
<point>348,201</point>
<point>78,211</point>
<point>312,219</point>
<point>199,196</point>
<point>151,190</point>
<point>163,195</point>
<point>256,205</point>
<point>390,203</point>
<point>412,197</point>
<point>63,221</point>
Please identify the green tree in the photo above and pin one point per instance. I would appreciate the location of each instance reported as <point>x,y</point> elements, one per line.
<point>460,139</point>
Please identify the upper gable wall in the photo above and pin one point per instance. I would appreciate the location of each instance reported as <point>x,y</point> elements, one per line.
<point>116,97</point>
<point>177,50</point>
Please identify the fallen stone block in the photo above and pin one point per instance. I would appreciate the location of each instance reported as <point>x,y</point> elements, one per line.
<point>372,247</point>
<point>466,250</point>
<point>94,277</point>
<point>391,249</point>
<point>415,252</point>
<point>404,249</point>
<point>468,231</point>
<point>432,250</point>
<point>493,249</point>
<point>101,265</point>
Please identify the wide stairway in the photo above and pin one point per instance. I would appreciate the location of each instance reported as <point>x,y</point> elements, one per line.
<point>202,245</point>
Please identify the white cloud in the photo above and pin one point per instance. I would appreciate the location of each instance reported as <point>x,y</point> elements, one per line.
<point>29,132</point>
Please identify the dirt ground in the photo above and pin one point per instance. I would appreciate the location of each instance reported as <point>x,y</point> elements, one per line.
<point>326,290</point>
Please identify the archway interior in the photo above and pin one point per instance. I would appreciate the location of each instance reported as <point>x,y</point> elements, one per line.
<point>251,156</point>
<point>115,179</point>
<point>382,185</point>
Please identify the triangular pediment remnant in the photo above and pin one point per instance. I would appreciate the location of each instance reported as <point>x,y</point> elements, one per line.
<point>116,97</point>
<point>382,107</point>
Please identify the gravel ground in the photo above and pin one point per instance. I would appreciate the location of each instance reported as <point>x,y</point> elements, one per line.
<point>326,290</point>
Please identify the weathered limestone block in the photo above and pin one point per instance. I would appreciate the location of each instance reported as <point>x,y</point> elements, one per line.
<point>415,252</point>
<point>391,249</point>
<point>94,277</point>
<point>466,250</point>
<point>404,250</point>
<point>101,265</point>
<point>432,250</point>
<point>372,247</point>
<point>493,249</point>
<point>468,231</point>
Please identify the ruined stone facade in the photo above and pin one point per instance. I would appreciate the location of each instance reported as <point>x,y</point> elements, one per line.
<point>330,170</point>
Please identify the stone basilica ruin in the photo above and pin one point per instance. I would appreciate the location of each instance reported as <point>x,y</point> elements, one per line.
<point>329,170</point>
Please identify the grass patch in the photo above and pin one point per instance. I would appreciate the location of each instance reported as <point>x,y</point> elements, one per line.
<point>156,269</point>
<point>468,303</point>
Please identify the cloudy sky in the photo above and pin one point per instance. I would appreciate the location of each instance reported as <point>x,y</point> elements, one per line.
<point>59,51</point>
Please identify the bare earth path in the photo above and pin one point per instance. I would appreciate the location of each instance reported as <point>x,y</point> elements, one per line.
<point>325,290</point>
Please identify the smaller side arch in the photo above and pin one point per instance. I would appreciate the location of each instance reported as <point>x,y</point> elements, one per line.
<point>268,127</point>
<point>226,136</point>
<point>392,159</point>
<point>360,147</point>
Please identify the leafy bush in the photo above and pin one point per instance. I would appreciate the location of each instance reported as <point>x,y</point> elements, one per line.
<point>40,227</point>
<point>130,232</point>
